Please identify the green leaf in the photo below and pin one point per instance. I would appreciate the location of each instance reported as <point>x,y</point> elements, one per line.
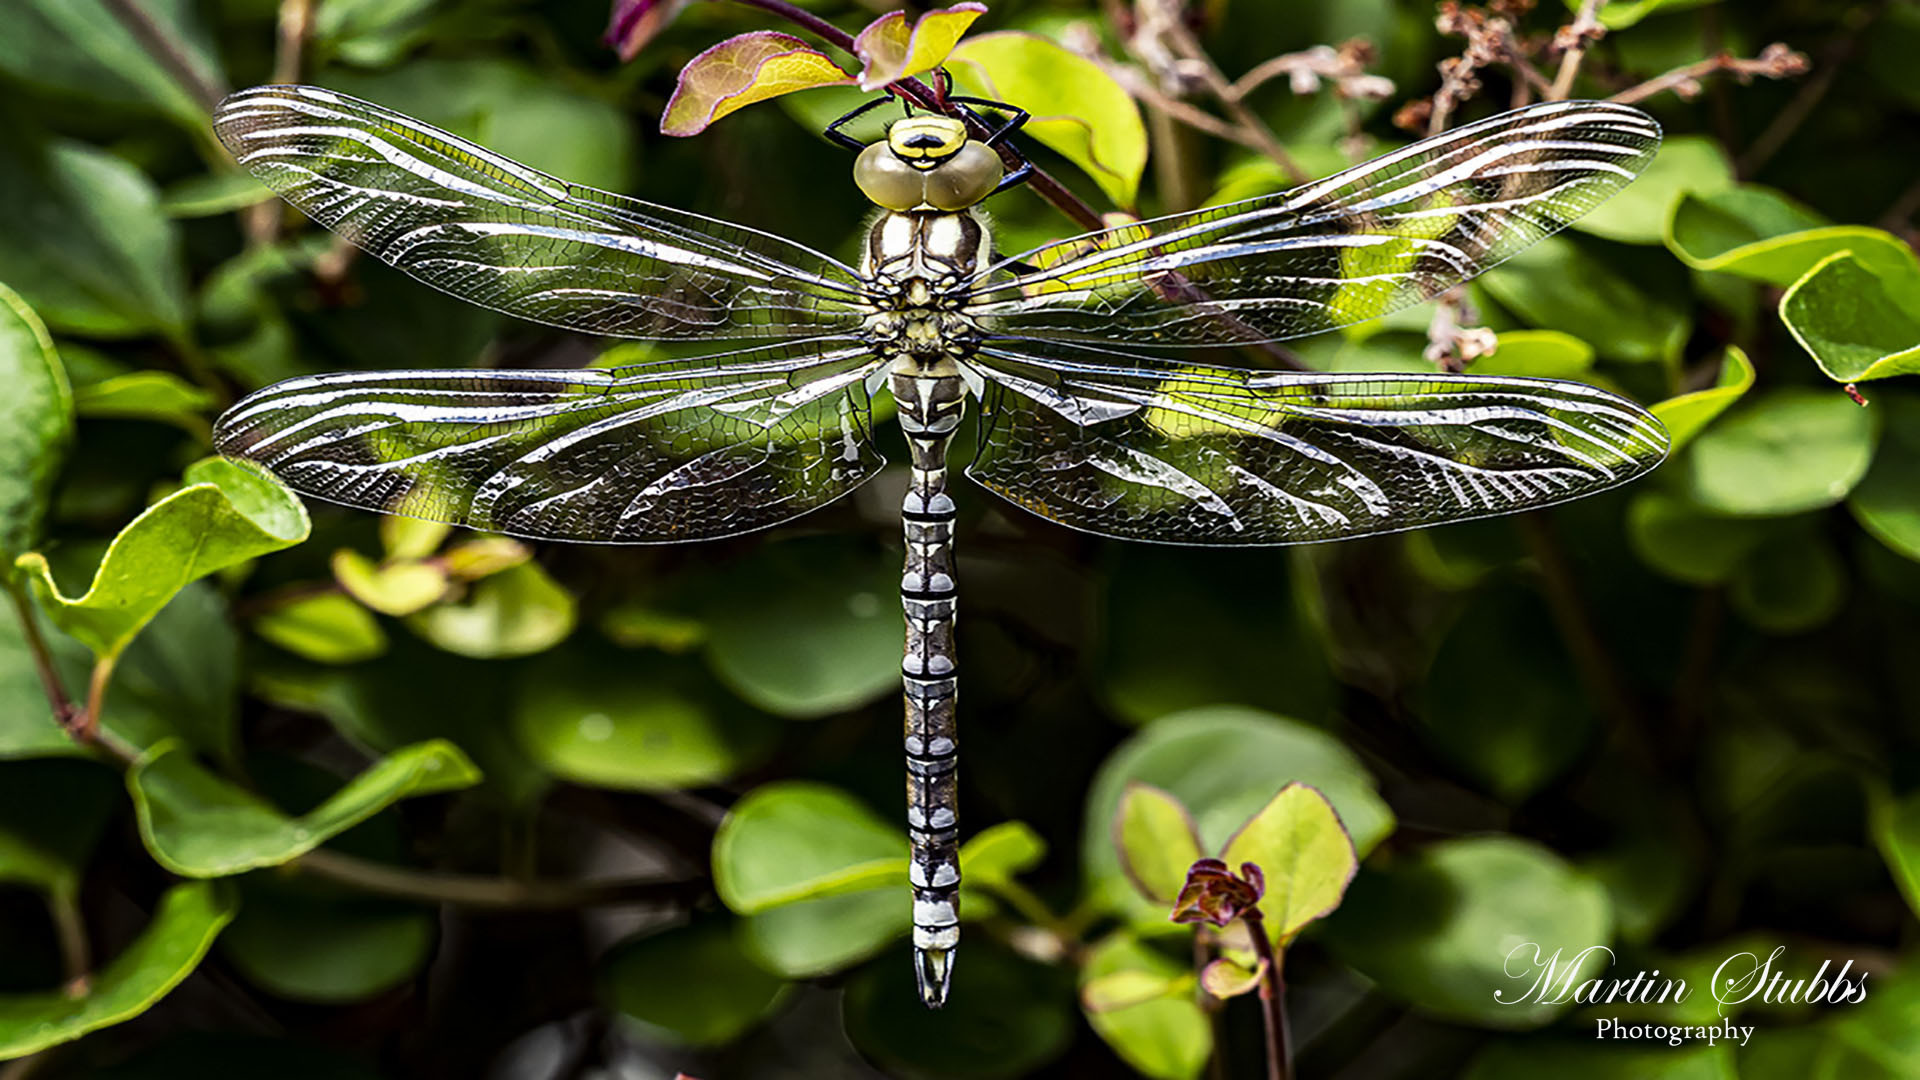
<point>1541,354</point>
<point>1156,840</point>
<point>1686,415</point>
<point>395,587</point>
<point>1857,325</point>
<point>326,949</point>
<point>411,538</point>
<point>1512,718</point>
<point>636,724</point>
<point>101,259</point>
<point>1588,1060</point>
<point>1790,451</point>
<point>373,33</point>
<point>791,841</point>
<point>1624,13</point>
<point>740,71</point>
<point>1299,844</point>
<point>1887,502</point>
<point>806,628</point>
<point>1000,853</point>
<point>1224,978</point>
<point>1008,1016</point>
<point>518,612</point>
<point>36,423</point>
<point>184,925</point>
<point>1790,584</point>
<point>51,816</point>
<point>891,50</point>
<point>81,50</point>
<point>1628,317</point>
<point>1638,215</point>
<point>1687,544</point>
<point>327,628</point>
<point>513,108</point>
<point>1758,233</point>
<point>213,194</point>
<point>199,825</point>
<point>693,983</point>
<point>1174,639</point>
<point>229,512</point>
<point>1224,763</point>
<point>1895,823</point>
<point>146,395</point>
<point>1164,1036</point>
<point>1079,111</point>
<point>811,938</point>
<point>1453,929</point>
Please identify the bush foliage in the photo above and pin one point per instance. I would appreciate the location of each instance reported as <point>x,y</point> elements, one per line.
<point>335,797</point>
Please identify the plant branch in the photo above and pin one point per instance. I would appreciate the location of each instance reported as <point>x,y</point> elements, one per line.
<point>65,712</point>
<point>476,891</point>
<point>70,930</point>
<point>1574,40</point>
<point>1273,998</point>
<point>1263,139</point>
<point>1835,58</point>
<point>161,45</point>
<point>1596,664</point>
<point>1042,182</point>
<point>1774,62</point>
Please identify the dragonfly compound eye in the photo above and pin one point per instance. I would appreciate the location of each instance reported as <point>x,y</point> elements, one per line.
<point>968,176</point>
<point>888,181</point>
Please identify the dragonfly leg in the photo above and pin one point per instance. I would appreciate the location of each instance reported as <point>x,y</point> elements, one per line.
<point>841,138</point>
<point>930,409</point>
<point>1017,117</point>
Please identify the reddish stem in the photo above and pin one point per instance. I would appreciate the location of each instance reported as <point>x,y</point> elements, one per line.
<point>1273,997</point>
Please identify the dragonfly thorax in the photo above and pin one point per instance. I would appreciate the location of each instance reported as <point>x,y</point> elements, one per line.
<point>917,266</point>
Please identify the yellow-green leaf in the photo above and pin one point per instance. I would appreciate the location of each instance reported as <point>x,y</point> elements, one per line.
<point>229,512</point>
<point>1157,841</point>
<point>36,423</point>
<point>197,824</point>
<point>327,628</point>
<point>1078,110</point>
<point>189,917</point>
<point>1299,843</point>
<point>740,71</point>
<point>890,50</point>
<point>1857,324</point>
<point>1687,414</point>
<point>400,587</point>
<point>1000,853</point>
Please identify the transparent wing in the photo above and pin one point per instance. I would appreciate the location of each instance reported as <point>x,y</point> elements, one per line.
<point>653,453</point>
<point>1375,238</point>
<point>492,231</point>
<point>1131,448</point>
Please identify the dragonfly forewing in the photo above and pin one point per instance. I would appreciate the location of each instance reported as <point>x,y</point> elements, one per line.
<point>1353,247</point>
<point>1188,454</point>
<point>494,232</point>
<point>653,453</point>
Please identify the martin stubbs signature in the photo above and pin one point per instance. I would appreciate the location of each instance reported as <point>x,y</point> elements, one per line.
<point>1585,978</point>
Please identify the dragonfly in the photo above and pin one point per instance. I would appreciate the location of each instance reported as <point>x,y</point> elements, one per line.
<point>1091,415</point>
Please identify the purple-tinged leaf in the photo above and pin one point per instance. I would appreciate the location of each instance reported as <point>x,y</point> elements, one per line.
<point>740,71</point>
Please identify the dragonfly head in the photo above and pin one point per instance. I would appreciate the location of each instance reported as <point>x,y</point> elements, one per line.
<point>927,163</point>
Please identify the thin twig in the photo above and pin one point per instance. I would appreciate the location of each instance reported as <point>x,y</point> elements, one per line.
<point>70,930</point>
<point>1597,667</point>
<point>161,45</point>
<point>261,221</point>
<point>64,709</point>
<point>1248,121</point>
<point>1273,998</point>
<point>1834,59</point>
<point>1774,62</point>
<point>469,890</point>
<point>1575,39</point>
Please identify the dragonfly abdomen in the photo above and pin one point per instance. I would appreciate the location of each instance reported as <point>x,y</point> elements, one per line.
<point>930,409</point>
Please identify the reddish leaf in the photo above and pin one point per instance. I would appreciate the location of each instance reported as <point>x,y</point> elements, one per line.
<point>889,51</point>
<point>740,71</point>
<point>636,22</point>
<point>1214,895</point>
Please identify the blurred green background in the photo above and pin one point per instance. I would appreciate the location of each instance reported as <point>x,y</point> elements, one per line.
<point>1679,719</point>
